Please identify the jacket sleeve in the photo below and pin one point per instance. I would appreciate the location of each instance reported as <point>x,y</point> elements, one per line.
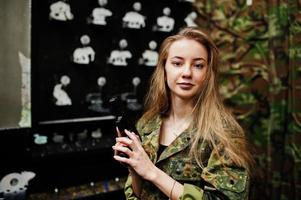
<point>128,190</point>
<point>222,180</point>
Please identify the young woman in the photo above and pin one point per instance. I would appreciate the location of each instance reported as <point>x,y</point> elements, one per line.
<point>191,147</point>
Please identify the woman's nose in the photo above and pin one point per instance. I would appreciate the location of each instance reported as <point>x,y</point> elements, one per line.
<point>186,70</point>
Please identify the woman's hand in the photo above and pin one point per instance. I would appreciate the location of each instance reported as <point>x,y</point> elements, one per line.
<point>136,159</point>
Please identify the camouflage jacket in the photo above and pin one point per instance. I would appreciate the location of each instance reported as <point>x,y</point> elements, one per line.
<point>216,180</point>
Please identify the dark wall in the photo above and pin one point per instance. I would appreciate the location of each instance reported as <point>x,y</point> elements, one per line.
<point>77,159</point>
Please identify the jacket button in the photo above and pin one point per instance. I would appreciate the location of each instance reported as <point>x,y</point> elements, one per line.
<point>178,171</point>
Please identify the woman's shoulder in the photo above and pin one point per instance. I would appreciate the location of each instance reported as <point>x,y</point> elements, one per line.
<point>146,126</point>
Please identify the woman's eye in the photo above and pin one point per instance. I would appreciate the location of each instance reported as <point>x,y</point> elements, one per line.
<point>176,64</point>
<point>199,66</point>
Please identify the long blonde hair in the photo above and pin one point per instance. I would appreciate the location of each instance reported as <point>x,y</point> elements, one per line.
<point>215,124</point>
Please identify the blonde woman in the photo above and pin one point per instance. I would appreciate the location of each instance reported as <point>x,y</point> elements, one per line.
<point>191,147</point>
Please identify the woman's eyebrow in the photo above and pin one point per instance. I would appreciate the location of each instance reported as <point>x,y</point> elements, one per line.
<point>200,58</point>
<point>195,59</point>
<point>177,57</point>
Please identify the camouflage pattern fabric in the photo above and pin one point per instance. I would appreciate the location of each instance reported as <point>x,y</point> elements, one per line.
<point>260,51</point>
<point>220,179</point>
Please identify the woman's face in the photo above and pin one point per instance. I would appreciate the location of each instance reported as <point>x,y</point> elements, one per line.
<point>185,68</point>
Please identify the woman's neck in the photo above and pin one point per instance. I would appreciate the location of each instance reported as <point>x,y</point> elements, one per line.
<point>181,109</point>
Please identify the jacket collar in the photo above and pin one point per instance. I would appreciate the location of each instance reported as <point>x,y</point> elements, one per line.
<point>152,125</point>
<point>151,133</point>
<point>179,144</point>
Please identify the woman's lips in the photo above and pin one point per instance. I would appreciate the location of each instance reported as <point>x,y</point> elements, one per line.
<point>185,86</point>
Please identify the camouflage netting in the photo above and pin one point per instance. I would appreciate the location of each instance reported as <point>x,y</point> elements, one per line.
<point>260,48</point>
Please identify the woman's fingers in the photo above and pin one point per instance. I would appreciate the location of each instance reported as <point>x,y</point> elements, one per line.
<point>130,134</point>
<point>122,149</point>
<point>129,145</point>
<point>118,150</point>
<point>124,140</point>
<point>121,159</point>
<point>133,137</point>
<point>132,140</point>
<point>118,132</point>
